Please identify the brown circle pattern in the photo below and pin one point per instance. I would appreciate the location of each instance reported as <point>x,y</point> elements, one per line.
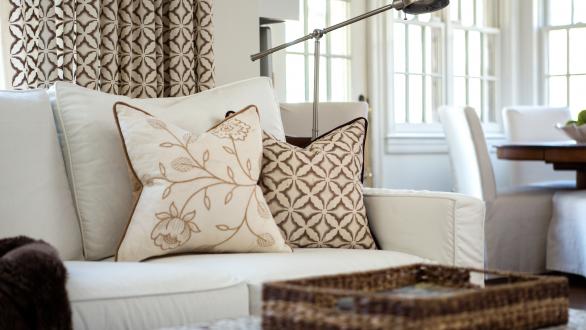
<point>138,48</point>
<point>315,193</point>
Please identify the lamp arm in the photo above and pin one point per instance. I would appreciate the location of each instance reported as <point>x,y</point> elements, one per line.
<point>317,34</point>
<point>268,52</point>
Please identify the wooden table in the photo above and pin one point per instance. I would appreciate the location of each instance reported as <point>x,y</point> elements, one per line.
<point>564,156</point>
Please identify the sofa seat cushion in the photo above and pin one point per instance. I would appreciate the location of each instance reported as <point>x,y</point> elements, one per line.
<point>119,295</point>
<point>201,287</point>
<point>256,268</point>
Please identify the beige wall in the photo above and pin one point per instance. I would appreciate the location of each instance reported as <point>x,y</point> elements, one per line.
<point>236,37</point>
<point>280,9</point>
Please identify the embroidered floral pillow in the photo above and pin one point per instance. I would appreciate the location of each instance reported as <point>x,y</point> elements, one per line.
<point>315,193</point>
<point>196,193</point>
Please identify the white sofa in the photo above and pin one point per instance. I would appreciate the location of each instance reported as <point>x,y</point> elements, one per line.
<point>409,227</point>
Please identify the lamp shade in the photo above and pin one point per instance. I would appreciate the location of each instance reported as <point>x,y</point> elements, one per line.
<point>424,6</point>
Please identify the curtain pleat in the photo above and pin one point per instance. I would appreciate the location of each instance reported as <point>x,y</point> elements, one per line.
<point>138,48</point>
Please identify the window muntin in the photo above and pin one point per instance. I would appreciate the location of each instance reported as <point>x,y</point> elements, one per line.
<point>565,50</point>
<point>476,39</point>
<point>335,59</point>
<point>417,60</point>
<point>424,79</point>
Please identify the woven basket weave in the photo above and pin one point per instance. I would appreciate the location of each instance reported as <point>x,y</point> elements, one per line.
<point>355,301</point>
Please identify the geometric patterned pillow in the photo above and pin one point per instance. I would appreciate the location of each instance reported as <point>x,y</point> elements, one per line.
<point>197,194</point>
<point>315,193</point>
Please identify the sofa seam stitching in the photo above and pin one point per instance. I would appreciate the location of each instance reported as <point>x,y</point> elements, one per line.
<point>235,285</point>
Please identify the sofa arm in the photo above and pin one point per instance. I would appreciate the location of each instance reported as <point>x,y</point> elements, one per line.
<point>443,227</point>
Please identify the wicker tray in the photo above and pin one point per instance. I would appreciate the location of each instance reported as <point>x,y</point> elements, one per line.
<point>416,297</point>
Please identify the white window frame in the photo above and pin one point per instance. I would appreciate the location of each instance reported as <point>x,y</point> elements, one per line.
<point>327,55</point>
<point>544,60</point>
<point>442,27</point>
<point>496,79</point>
<point>434,130</point>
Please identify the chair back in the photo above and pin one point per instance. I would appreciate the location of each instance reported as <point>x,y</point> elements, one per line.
<point>471,166</point>
<point>534,124</point>
<point>297,117</point>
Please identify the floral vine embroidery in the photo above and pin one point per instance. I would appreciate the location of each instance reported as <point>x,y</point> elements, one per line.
<point>175,227</point>
<point>173,231</point>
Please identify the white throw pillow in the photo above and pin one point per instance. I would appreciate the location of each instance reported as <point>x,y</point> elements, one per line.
<point>34,195</point>
<point>95,159</point>
<point>197,193</point>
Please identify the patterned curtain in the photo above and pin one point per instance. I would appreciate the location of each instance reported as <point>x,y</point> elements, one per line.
<point>138,48</point>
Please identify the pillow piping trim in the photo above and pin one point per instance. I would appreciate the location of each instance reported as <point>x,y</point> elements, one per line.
<point>330,132</point>
<point>123,141</point>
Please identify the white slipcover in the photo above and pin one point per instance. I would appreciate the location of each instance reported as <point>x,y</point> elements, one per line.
<point>410,227</point>
<point>297,117</point>
<point>516,220</point>
<point>566,241</point>
<point>471,166</point>
<point>195,288</point>
<point>111,295</point>
<point>444,227</point>
<point>256,268</point>
<point>34,194</point>
<point>528,124</point>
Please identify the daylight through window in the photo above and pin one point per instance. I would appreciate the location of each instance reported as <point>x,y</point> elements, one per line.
<point>565,49</point>
<point>335,53</point>
<point>424,80</point>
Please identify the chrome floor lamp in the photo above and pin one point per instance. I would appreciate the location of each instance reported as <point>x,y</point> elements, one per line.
<point>413,7</point>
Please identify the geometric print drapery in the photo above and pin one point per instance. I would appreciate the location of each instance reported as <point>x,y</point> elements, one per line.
<point>138,48</point>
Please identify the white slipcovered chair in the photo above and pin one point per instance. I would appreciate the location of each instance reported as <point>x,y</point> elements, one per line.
<point>566,241</point>
<point>526,124</point>
<point>517,221</point>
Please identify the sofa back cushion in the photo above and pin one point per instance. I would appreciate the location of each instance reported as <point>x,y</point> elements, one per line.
<point>34,195</point>
<point>94,156</point>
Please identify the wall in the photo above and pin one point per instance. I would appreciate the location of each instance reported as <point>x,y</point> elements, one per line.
<point>236,34</point>
<point>425,165</point>
<point>279,9</point>
<point>236,37</point>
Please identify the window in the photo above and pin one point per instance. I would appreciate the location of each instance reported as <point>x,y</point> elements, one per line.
<point>418,66</point>
<point>335,63</point>
<point>565,53</point>
<point>447,57</point>
<point>475,48</point>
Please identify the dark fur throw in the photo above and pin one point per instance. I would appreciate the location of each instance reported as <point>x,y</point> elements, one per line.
<point>32,286</point>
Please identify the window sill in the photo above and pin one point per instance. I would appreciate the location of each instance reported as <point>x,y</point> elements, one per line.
<point>429,143</point>
<point>437,136</point>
